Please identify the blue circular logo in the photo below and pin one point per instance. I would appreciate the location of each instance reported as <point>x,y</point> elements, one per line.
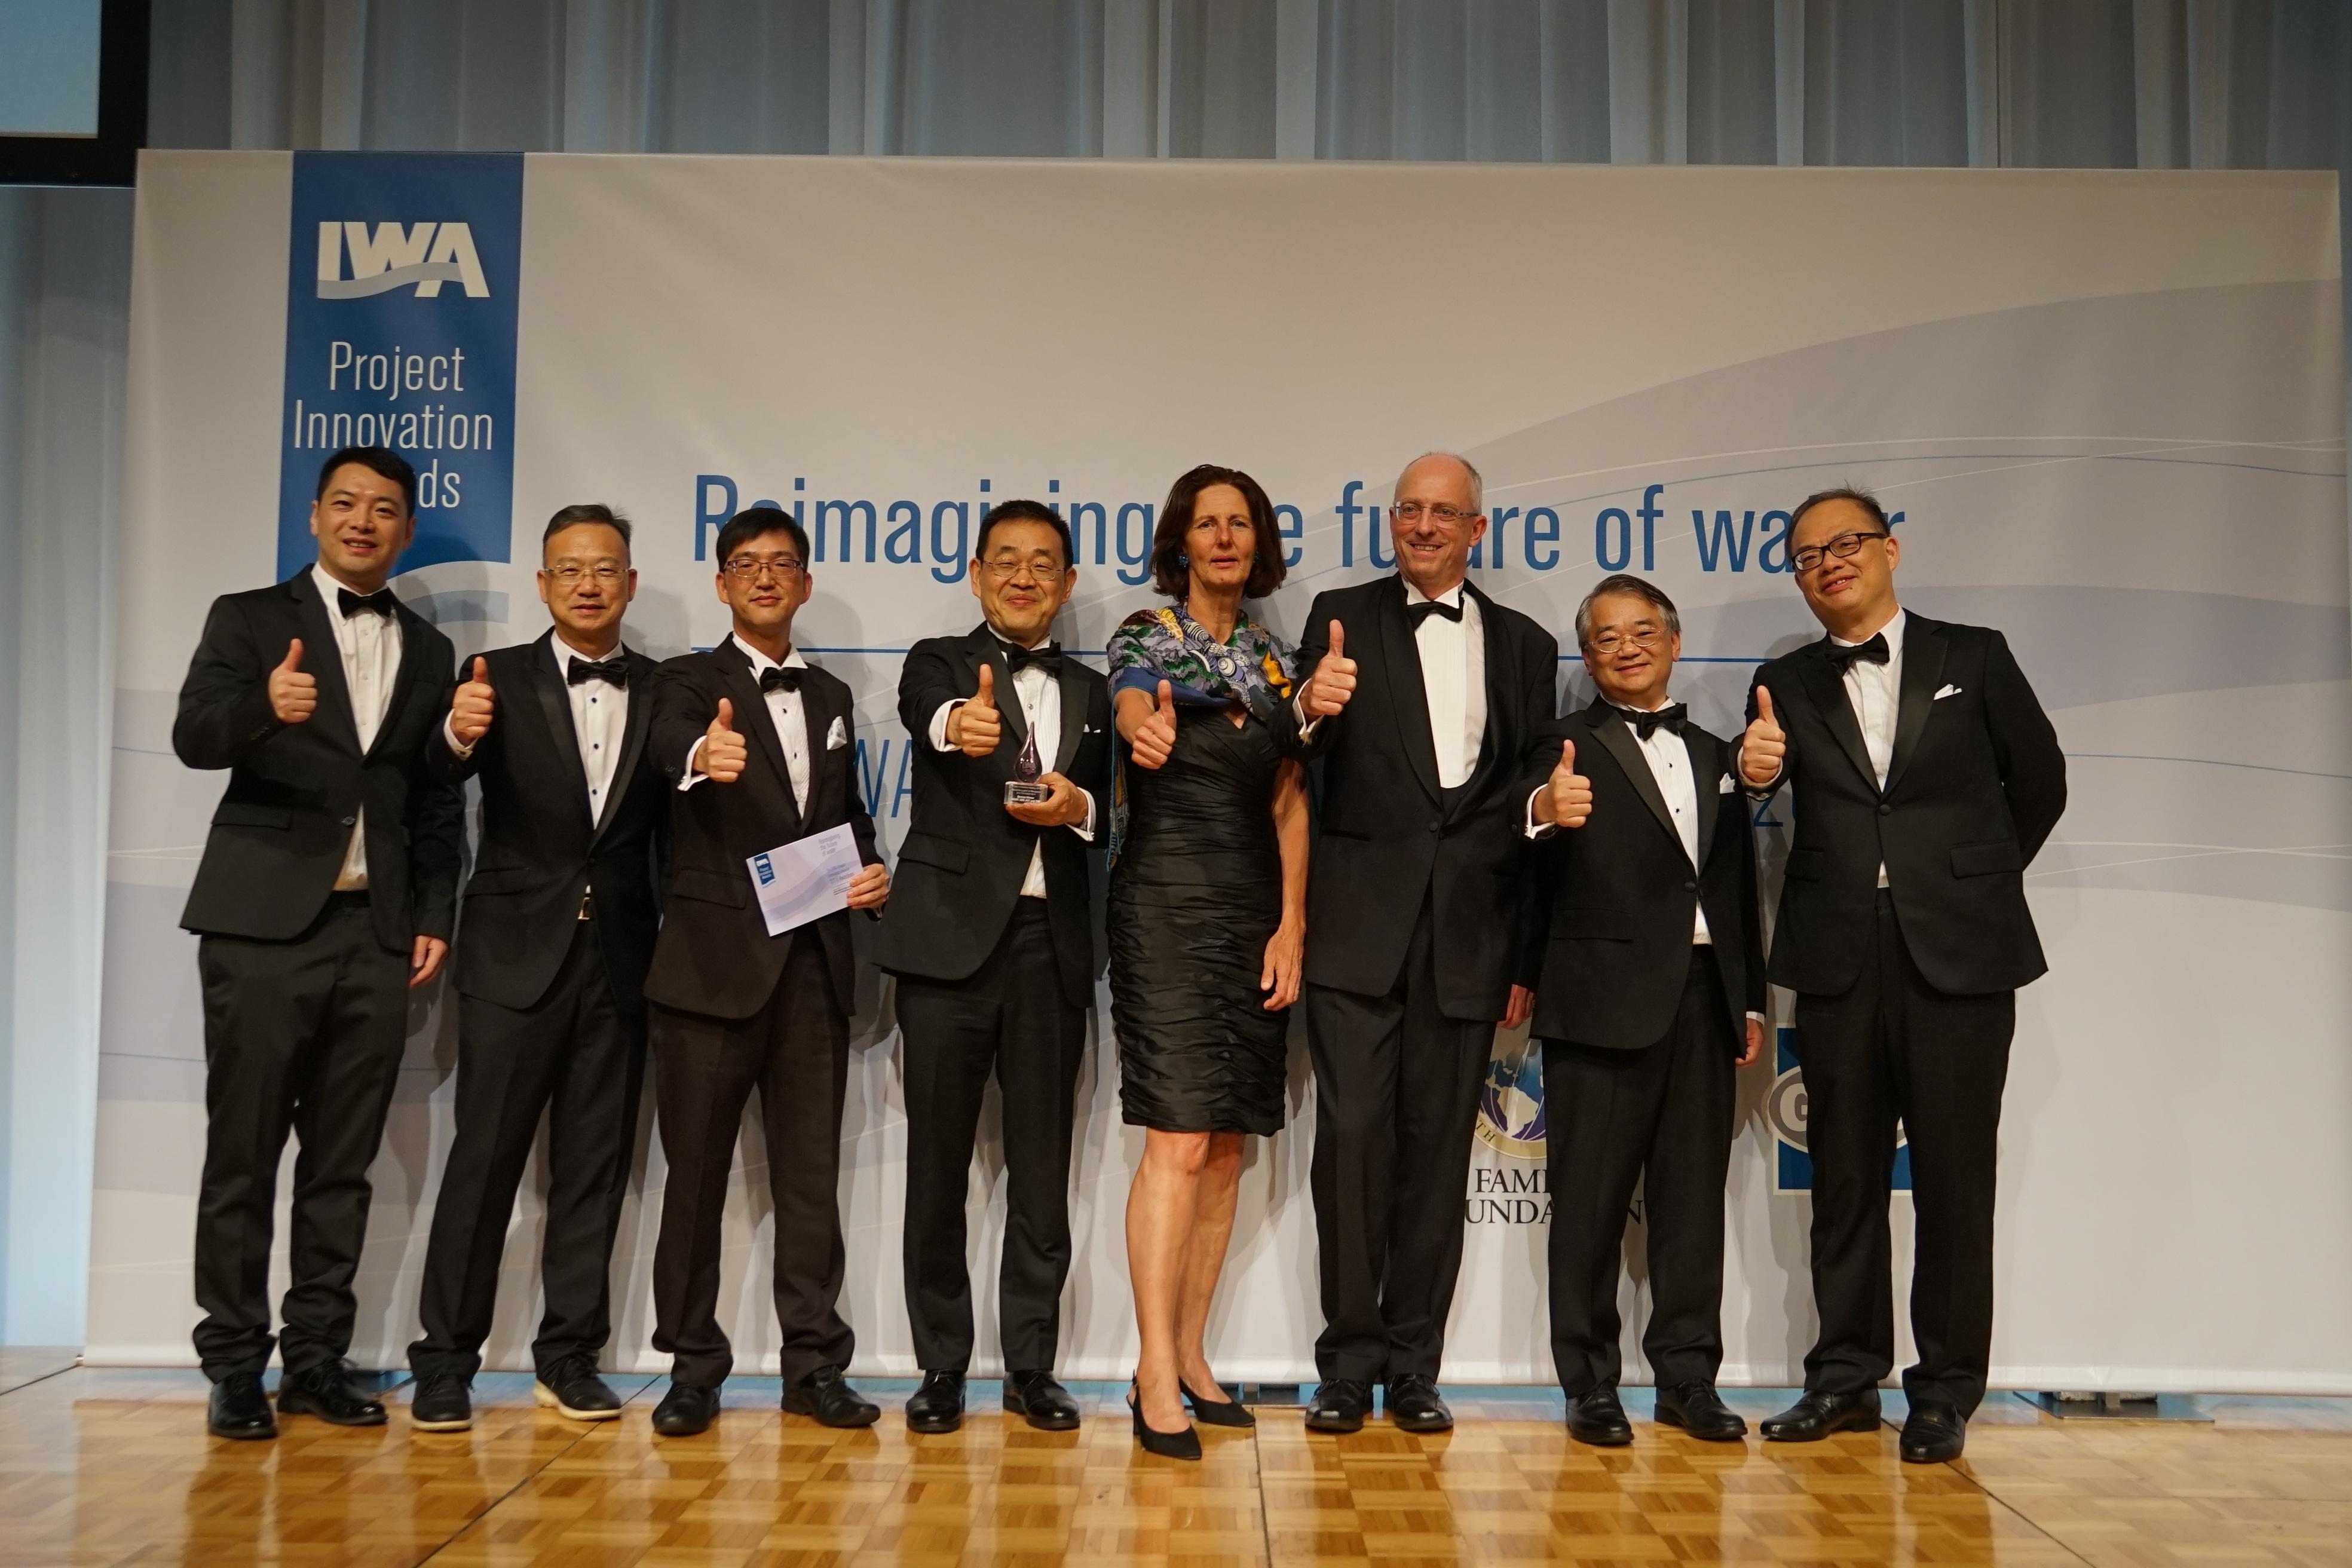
<point>1511,1102</point>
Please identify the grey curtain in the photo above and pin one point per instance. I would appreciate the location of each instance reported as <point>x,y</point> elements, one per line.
<point>2103,83</point>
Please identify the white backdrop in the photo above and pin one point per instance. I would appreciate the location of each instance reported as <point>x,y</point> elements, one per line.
<point>2108,408</point>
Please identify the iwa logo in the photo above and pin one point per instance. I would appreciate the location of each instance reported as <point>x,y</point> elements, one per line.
<point>1787,1111</point>
<point>1511,1102</point>
<point>389,256</point>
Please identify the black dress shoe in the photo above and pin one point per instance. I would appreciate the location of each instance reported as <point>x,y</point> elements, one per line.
<point>1698,1409</point>
<point>1037,1399</point>
<point>938,1405</point>
<point>326,1391</point>
<point>1412,1404</point>
<point>1817,1414</point>
<point>1224,1410</point>
<point>571,1388</point>
<point>442,1403</point>
<point>1340,1404</point>
<point>1595,1417</point>
<point>239,1409</point>
<point>1932,1434</point>
<point>685,1410</point>
<point>823,1395</point>
<point>1184,1444</point>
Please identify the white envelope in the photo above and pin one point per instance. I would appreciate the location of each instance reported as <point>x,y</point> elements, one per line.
<point>797,882</point>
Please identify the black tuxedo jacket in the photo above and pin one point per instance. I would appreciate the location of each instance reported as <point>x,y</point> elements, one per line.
<point>963,860</point>
<point>1976,784</point>
<point>280,832</point>
<point>1386,837</point>
<point>540,853</point>
<point>714,955</point>
<point>1619,894</point>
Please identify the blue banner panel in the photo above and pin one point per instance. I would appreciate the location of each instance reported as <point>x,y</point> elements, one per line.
<point>401,284</point>
<point>1785,1111</point>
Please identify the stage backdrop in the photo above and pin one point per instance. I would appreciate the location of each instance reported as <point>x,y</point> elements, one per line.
<point>2106,408</point>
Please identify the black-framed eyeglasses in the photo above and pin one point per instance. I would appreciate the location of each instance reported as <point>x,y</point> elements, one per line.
<point>1845,547</point>
<point>747,567</point>
<point>1610,642</point>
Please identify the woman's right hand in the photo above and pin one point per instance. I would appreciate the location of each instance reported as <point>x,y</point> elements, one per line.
<point>1154,737</point>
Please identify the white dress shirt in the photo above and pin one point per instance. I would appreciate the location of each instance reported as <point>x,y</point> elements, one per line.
<point>599,719</point>
<point>1876,693</point>
<point>1454,675</point>
<point>370,647</point>
<point>1039,696</point>
<point>791,726</point>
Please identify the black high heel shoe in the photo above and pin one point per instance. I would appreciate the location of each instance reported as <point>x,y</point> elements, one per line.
<point>1184,1444</point>
<point>1216,1412</point>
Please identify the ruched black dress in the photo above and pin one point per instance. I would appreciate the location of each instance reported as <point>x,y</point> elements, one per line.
<point>1195,898</point>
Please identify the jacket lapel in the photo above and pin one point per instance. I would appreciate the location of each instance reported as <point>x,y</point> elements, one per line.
<point>1707,759</point>
<point>547,678</point>
<point>1923,674</point>
<point>1827,688</point>
<point>1408,698</point>
<point>751,713</point>
<point>633,736</point>
<point>985,649</point>
<point>818,721</point>
<point>1617,737</point>
<point>322,655</point>
<point>1074,714</point>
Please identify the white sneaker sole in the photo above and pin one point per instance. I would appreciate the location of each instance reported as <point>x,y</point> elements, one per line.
<point>441,1425</point>
<point>542,1394</point>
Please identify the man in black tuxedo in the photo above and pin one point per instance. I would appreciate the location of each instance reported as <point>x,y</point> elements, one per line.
<point>323,898</point>
<point>992,939</point>
<point>1648,996</point>
<point>1415,928</point>
<point>1926,779</point>
<point>560,918</point>
<point>761,746</point>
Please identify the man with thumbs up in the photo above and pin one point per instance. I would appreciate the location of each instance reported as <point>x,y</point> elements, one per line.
<point>324,896</point>
<point>559,917</point>
<point>761,747</point>
<point>1649,994</point>
<point>992,938</point>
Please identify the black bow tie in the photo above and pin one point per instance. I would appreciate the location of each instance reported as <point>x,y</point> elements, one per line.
<point>379,603</point>
<point>1419,613</point>
<point>781,678</point>
<point>1645,725</point>
<point>1047,659</point>
<point>1875,651</point>
<point>585,670</point>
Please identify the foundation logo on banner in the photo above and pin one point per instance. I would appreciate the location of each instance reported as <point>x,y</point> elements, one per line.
<point>400,332</point>
<point>1785,1111</point>
<point>1511,1100</point>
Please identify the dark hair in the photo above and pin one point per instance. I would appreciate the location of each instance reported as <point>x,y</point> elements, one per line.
<point>1171,574</point>
<point>1626,583</point>
<point>755,521</point>
<point>572,516</point>
<point>1026,511</point>
<point>383,461</point>
<point>1854,493</point>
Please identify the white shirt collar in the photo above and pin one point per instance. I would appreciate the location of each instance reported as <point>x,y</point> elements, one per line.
<point>1667,702</point>
<point>1044,642</point>
<point>761,662</point>
<point>565,653</point>
<point>1413,595</point>
<point>1892,631</point>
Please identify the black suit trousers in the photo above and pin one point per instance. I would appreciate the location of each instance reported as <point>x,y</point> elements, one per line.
<point>301,1035</point>
<point>1661,1116</point>
<point>795,1052</point>
<point>1009,1019</point>
<point>577,1059</point>
<point>1894,1047</point>
<point>1396,1105</point>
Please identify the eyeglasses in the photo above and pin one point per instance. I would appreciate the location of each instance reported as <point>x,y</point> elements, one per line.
<point>1845,547</point>
<point>745,568</point>
<point>1003,569</point>
<point>605,576</point>
<point>1609,643</point>
<point>1444,516</point>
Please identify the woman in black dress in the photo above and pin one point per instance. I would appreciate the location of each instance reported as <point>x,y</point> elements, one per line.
<point>1208,900</point>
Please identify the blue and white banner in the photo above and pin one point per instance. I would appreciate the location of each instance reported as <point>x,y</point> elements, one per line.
<point>2107,409</point>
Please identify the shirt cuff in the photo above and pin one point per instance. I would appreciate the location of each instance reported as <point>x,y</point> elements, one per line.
<point>1298,706</point>
<point>1755,1017</point>
<point>449,733</point>
<point>1086,829</point>
<point>689,777</point>
<point>939,728</point>
<point>1538,829</point>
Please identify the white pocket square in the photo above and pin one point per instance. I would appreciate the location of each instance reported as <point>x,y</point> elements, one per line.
<point>1947,692</point>
<point>836,737</point>
<point>1724,784</point>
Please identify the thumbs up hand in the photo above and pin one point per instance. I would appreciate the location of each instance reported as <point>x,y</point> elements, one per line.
<point>1764,747</point>
<point>293,696</point>
<point>1155,739</point>
<point>1567,797</point>
<point>471,710</point>
<point>723,755</point>
<point>1334,680</point>
<point>975,727</point>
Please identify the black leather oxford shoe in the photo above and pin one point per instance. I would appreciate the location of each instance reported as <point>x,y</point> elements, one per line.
<point>833,1403</point>
<point>1413,1406</point>
<point>1340,1404</point>
<point>326,1391</point>
<point>1595,1417</point>
<point>1817,1414</point>
<point>239,1409</point>
<point>1932,1434</point>
<point>1698,1409</point>
<point>686,1411</point>
<point>442,1403</point>
<point>1037,1399</point>
<point>938,1404</point>
<point>571,1388</point>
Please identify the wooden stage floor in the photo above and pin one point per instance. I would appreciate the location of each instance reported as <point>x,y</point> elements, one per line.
<point>106,1467</point>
